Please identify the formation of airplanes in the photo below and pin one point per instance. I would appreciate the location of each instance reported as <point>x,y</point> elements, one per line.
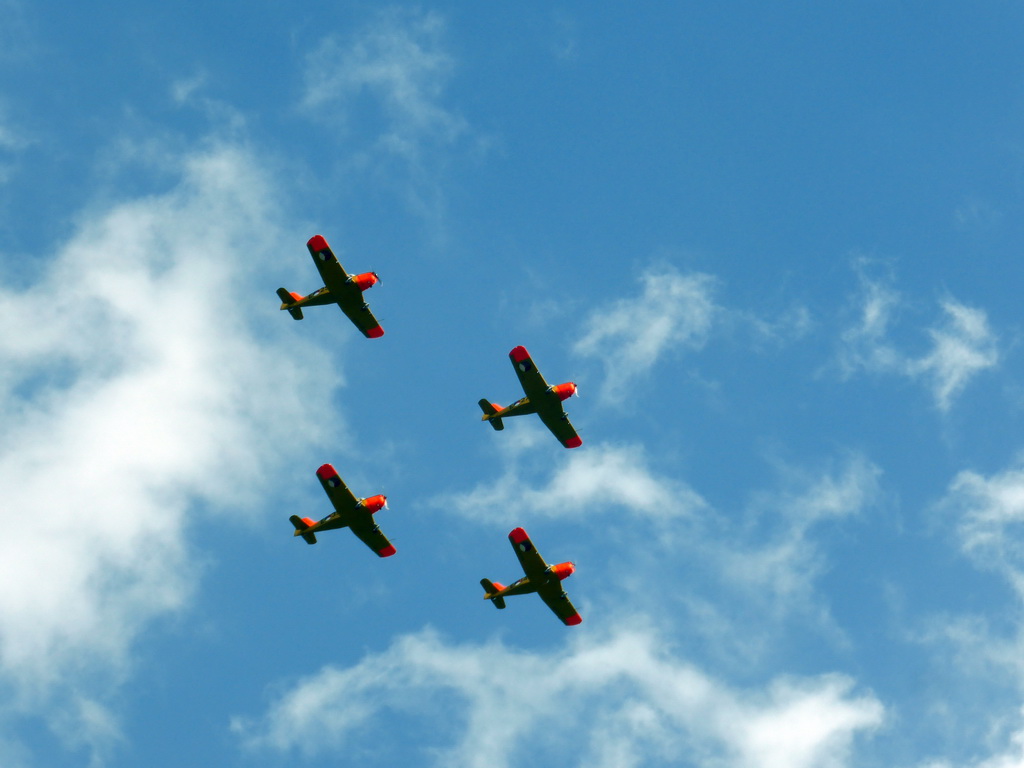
<point>357,514</point>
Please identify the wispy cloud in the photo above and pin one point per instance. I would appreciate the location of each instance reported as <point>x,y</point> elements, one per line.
<point>764,559</point>
<point>134,392</point>
<point>603,478</point>
<point>989,515</point>
<point>773,556</point>
<point>673,311</point>
<point>400,62</point>
<point>963,345</point>
<point>620,701</point>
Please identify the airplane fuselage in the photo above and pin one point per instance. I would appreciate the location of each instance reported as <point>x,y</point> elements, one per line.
<point>551,576</point>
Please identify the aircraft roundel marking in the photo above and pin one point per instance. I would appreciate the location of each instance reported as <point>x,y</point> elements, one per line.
<point>523,367</point>
<point>322,256</point>
<point>522,547</point>
<point>334,482</point>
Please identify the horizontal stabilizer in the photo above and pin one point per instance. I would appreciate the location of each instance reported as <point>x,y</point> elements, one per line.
<point>490,592</point>
<point>491,412</point>
<point>300,527</point>
<point>286,300</point>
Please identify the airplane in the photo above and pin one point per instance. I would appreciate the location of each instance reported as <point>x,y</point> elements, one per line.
<point>349,512</point>
<point>544,400</point>
<point>540,577</point>
<point>340,288</point>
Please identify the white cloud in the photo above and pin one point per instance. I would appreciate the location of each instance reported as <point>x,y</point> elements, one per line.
<point>621,701</point>
<point>962,346</point>
<point>600,478</point>
<point>766,560</point>
<point>1011,757</point>
<point>631,335</point>
<point>776,553</point>
<point>990,519</point>
<point>400,63</point>
<point>137,387</point>
<point>763,560</point>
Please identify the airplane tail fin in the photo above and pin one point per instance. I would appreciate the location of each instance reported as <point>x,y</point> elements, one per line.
<point>491,416</point>
<point>287,299</point>
<point>490,592</point>
<point>300,526</point>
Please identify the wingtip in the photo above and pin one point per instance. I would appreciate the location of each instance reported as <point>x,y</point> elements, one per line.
<point>517,535</point>
<point>387,551</point>
<point>325,471</point>
<point>574,442</point>
<point>573,620</point>
<point>518,354</point>
<point>375,333</point>
<point>316,243</point>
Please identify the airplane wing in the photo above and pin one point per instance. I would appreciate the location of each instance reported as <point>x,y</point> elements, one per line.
<point>341,497</point>
<point>559,602</point>
<point>327,264</point>
<point>562,428</point>
<point>359,313</point>
<point>533,564</point>
<point>369,533</point>
<point>531,379</point>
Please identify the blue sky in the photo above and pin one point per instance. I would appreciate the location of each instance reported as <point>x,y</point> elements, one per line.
<point>776,247</point>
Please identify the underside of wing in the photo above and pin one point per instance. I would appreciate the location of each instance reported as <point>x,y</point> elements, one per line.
<point>560,426</point>
<point>530,378</point>
<point>560,604</point>
<point>341,497</point>
<point>533,564</point>
<point>359,313</point>
<point>371,535</point>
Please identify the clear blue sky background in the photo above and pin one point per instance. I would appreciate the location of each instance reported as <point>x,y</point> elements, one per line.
<point>778,246</point>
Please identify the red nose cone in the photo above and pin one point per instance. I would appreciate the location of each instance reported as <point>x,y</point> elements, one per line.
<point>564,570</point>
<point>565,391</point>
<point>366,280</point>
<point>375,503</point>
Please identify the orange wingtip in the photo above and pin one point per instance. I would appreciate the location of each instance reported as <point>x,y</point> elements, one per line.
<point>574,442</point>
<point>518,354</point>
<point>317,243</point>
<point>517,535</point>
<point>326,471</point>
<point>573,620</point>
<point>388,551</point>
<point>375,333</point>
